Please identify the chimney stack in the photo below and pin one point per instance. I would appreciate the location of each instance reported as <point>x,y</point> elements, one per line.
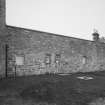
<point>95,35</point>
<point>2,13</point>
<point>3,18</point>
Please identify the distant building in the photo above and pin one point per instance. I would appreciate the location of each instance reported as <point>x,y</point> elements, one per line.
<point>30,52</point>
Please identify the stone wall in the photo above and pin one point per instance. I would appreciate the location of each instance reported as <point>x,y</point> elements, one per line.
<point>3,32</point>
<point>2,59</point>
<point>33,52</point>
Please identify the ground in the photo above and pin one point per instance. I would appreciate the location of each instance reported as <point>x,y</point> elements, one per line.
<point>54,89</point>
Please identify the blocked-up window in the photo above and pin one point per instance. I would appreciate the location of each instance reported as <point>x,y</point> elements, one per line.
<point>57,58</point>
<point>48,59</point>
<point>84,60</point>
<point>19,60</point>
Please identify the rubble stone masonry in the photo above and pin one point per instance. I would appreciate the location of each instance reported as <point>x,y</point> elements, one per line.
<point>41,52</point>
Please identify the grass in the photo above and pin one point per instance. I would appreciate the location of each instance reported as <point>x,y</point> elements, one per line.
<point>53,89</point>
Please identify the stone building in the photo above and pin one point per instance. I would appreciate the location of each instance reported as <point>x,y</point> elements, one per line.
<point>29,52</point>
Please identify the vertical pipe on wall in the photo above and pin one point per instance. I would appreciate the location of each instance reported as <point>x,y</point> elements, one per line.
<point>6,59</point>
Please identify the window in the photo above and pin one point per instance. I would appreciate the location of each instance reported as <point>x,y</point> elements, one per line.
<point>19,60</point>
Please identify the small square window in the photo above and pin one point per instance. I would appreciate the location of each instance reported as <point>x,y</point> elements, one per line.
<point>19,60</point>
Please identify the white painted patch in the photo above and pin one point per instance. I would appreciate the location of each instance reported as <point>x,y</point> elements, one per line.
<point>64,74</point>
<point>85,77</point>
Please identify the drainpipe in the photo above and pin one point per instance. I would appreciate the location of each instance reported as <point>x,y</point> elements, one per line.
<point>6,60</point>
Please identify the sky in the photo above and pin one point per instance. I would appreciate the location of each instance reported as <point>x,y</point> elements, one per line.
<point>75,18</point>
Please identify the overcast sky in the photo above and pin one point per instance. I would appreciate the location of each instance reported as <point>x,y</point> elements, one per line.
<point>76,18</point>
